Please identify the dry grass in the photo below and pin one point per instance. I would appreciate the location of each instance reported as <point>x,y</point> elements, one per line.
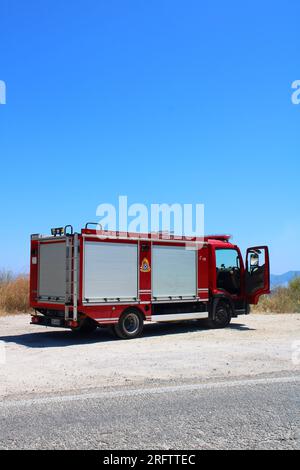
<point>14,293</point>
<point>282,300</point>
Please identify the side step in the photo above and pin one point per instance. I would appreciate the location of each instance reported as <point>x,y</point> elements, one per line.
<point>179,316</point>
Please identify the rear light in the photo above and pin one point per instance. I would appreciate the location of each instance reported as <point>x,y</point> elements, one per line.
<point>73,324</point>
<point>35,319</point>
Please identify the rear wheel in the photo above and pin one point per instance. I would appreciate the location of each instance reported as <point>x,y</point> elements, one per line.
<point>130,325</point>
<point>222,316</point>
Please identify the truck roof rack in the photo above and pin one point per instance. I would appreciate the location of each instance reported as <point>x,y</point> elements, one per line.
<point>160,233</point>
<point>221,238</point>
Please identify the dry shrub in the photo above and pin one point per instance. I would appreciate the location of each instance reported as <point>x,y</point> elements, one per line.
<point>14,293</point>
<point>282,299</point>
<point>14,296</point>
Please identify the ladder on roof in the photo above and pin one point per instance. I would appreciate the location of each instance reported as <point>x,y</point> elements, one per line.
<point>71,298</point>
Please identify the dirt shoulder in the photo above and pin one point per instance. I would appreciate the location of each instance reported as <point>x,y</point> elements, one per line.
<point>36,360</point>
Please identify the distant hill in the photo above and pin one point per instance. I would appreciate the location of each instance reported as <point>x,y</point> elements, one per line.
<point>282,280</point>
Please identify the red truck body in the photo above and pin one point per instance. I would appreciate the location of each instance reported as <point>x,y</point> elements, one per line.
<point>81,281</point>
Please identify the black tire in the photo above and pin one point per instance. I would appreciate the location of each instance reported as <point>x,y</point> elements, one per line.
<point>222,316</point>
<point>86,327</point>
<point>130,325</point>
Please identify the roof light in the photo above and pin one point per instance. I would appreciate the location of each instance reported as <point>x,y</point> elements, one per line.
<point>57,231</point>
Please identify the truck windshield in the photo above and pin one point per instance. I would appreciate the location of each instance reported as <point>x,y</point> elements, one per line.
<point>228,270</point>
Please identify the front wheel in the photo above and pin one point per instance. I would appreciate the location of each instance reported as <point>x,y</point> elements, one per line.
<point>222,316</point>
<point>130,325</point>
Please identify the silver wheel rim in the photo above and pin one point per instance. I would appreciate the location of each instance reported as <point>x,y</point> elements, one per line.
<point>131,323</point>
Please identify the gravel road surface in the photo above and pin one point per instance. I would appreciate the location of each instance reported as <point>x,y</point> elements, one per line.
<point>180,386</point>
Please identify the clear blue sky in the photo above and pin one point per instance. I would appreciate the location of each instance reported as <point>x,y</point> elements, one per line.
<point>161,100</point>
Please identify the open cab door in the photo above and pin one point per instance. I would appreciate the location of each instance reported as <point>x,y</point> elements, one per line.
<point>257,276</point>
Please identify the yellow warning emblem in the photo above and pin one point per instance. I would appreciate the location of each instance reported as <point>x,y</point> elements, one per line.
<point>145,268</point>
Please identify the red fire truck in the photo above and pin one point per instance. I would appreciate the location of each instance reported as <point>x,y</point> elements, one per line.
<point>85,280</point>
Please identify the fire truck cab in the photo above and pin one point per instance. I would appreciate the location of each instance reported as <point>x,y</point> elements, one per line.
<point>85,280</point>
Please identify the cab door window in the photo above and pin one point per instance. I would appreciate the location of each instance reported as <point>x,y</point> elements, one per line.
<point>228,270</point>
